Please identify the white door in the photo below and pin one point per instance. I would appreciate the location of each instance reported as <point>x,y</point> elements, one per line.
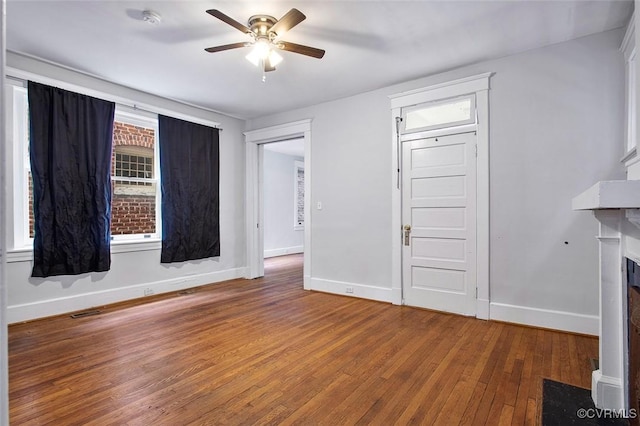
<point>439,206</point>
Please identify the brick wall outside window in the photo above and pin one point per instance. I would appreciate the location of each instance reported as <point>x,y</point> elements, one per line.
<point>133,206</point>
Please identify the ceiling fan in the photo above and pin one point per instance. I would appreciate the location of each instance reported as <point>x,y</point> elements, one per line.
<point>264,31</point>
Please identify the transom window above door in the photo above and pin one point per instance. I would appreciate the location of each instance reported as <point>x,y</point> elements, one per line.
<point>435,115</point>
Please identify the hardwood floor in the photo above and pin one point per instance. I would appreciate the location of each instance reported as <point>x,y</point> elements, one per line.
<point>267,352</point>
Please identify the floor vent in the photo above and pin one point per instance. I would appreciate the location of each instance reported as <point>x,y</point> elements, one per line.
<point>85,314</point>
<point>186,292</point>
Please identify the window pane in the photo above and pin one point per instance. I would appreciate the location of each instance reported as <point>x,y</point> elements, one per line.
<point>459,111</point>
<point>133,209</point>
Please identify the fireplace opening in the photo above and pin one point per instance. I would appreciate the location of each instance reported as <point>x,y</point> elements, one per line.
<point>633,331</point>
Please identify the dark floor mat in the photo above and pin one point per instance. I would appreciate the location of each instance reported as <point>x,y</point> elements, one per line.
<point>564,404</point>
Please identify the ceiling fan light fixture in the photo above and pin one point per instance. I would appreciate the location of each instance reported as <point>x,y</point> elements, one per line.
<point>274,58</point>
<point>260,52</point>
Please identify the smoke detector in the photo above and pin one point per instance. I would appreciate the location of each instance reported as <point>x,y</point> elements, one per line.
<point>151,17</point>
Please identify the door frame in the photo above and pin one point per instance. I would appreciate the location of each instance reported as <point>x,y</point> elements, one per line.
<point>254,209</point>
<point>479,86</point>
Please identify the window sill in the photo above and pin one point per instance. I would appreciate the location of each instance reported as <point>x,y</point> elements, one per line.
<point>125,246</point>
<point>25,254</point>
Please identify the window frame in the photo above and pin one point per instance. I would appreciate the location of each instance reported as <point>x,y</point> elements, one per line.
<point>138,103</point>
<point>21,166</point>
<point>20,244</point>
<point>149,121</point>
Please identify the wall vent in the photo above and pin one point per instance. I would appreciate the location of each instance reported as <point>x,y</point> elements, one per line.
<point>85,314</point>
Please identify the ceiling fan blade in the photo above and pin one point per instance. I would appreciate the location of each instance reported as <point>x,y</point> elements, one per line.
<point>288,21</point>
<point>224,18</point>
<point>225,47</point>
<point>299,48</point>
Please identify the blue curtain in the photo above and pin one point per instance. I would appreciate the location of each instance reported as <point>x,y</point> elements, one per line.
<point>70,148</point>
<point>189,169</point>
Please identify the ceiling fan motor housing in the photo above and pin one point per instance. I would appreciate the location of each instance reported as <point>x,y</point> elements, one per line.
<point>261,24</point>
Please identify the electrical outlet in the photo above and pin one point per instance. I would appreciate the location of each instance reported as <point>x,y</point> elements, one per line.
<point>148,292</point>
<point>350,290</point>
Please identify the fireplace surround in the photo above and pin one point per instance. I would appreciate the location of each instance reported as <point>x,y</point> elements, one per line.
<point>616,206</point>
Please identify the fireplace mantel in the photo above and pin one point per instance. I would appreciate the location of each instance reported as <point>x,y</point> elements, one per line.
<point>609,194</point>
<point>611,202</point>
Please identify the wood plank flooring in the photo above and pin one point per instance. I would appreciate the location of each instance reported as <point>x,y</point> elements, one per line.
<point>267,352</point>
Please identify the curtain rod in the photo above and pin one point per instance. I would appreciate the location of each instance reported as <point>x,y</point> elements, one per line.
<point>23,76</point>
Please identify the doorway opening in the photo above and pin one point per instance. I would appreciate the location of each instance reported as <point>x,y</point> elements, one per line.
<point>256,141</point>
<point>281,165</point>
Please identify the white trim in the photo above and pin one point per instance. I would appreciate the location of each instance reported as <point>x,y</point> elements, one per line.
<point>455,130</point>
<point>363,291</point>
<point>546,318</point>
<point>4,355</point>
<point>283,251</point>
<point>62,305</point>
<point>253,190</point>
<point>445,90</point>
<point>628,41</point>
<point>279,132</point>
<point>478,84</point>
<point>118,246</point>
<point>631,157</point>
<point>26,75</point>
<point>606,391</point>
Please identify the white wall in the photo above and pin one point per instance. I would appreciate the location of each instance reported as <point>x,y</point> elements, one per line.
<point>132,272</point>
<point>279,194</point>
<point>556,120</point>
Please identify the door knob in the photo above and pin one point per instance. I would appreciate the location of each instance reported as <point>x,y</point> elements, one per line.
<point>407,231</point>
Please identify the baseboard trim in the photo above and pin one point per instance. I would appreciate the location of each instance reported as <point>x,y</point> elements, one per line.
<point>63,305</point>
<point>283,251</point>
<point>359,290</point>
<point>482,309</point>
<point>546,318</point>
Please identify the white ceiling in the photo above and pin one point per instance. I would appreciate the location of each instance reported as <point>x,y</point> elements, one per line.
<point>369,44</point>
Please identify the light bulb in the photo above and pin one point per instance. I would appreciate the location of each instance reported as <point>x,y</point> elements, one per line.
<point>259,53</point>
<point>274,58</point>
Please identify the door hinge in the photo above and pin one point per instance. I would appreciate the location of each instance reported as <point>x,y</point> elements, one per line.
<point>257,226</point>
<point>476,148</point>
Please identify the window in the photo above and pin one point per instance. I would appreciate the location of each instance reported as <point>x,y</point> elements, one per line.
<point>298,201</point>
<point>135,206</point>
<point>135,210</point>
<point>447,113</point>
<point>22,188</point>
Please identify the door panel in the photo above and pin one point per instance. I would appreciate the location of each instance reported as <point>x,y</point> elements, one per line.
<point>439,261</point>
